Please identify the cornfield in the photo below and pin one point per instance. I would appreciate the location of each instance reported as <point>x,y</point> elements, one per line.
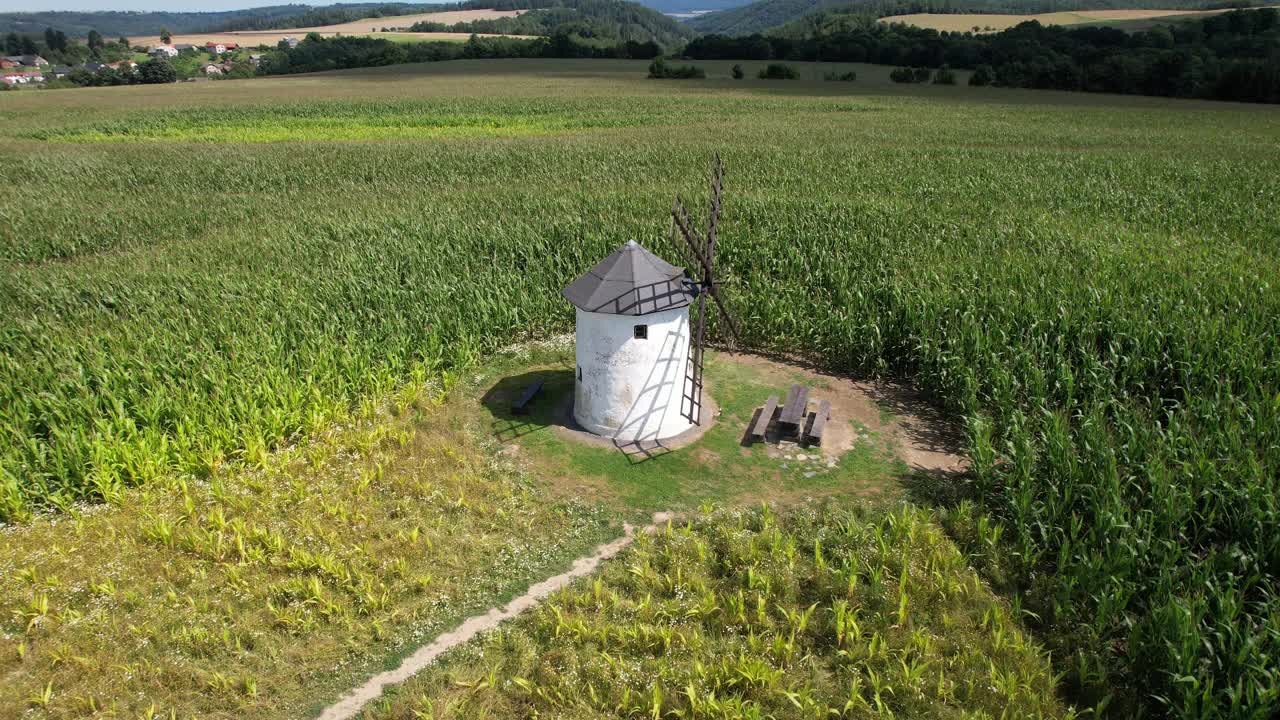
<point>1088,283</point>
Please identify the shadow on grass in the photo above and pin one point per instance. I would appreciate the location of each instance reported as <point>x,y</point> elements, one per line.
<point>941,489</point>
<point>541,411</point>
<point>551,407</point>
<point>642,451</point>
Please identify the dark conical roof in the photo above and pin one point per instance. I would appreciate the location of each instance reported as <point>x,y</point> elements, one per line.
<point>631,281</point>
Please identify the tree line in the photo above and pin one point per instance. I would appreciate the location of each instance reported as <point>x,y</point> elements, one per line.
<point>1232,56</point>
<point>609,21</point>
<point>57,48</point>
<point>316,53</point>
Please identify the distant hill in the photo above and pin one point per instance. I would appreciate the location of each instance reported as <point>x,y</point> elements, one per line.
<point>765,15</point>
<point>273,17</point>
<point>609,21</point>
<point>759,16</point>
<point>114,23</point>
<point>682,7</point>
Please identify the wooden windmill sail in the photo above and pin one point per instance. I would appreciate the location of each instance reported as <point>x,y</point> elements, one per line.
<point>699,251</point>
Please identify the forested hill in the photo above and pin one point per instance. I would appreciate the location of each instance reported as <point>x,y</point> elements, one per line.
<point>607,21</point>
<point>766,15</point>
<point>112,23</point>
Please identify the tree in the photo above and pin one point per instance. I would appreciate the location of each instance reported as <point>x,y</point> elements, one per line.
<point>778,71</point>
<point>738,73</point>
<point>28,46</point>
<point>165,37</point>
<point>982,76</point>
<point>95,40</point>
<point>156,71</point>
<point>12,44</point>
<point>123,42</point>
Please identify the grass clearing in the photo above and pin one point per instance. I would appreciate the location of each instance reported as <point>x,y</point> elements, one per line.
<point>716,468</point>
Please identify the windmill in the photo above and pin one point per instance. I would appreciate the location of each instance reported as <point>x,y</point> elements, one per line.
<point>699,253</point>
<point>639,344</point>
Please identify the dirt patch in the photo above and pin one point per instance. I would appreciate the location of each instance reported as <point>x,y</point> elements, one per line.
<point>916,431</point>
<point>351,703</point>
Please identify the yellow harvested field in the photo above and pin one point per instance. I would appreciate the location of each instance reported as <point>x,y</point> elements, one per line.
<point>966,22</point>
<point>355,27</point>
<point>253,39</point>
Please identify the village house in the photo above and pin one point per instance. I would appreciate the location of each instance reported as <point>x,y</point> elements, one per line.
<point>166,51</point>
<point>185,46</point>
<point>291,41</point>
<point>255,59</point>
<point>212,69</point>
<point>22,77</point>
<point>6,63</point>
<point>28,60</point>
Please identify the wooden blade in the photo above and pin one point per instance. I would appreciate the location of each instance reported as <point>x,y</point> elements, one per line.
<point>724,313</point>
<point>695,241</point>
<point>717,186</point>
<point>683,250</point>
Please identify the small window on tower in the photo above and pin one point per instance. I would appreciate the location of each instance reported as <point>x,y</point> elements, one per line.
<point>579,372</point>
<point>642,332</point>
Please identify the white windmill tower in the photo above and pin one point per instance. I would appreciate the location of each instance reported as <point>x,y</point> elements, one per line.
<point>639,358</point>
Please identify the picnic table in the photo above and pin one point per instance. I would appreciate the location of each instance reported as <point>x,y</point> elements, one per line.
<point>796,407</point>
<point>521,405</point>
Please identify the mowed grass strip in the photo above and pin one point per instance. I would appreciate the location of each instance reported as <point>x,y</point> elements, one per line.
<point>267,590</point>
<point>816,613</point>
<point>332,122</point>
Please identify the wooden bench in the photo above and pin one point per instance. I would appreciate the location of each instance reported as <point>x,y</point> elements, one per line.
<point>819,422</point>
<point>766,416</point>
<point>796,408</point>
<point>521,406</point>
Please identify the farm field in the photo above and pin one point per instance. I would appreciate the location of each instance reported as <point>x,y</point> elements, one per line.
<point>845,614</point>
<point>992,22</point>
<point>366,26</point>
<point>1085,283</point>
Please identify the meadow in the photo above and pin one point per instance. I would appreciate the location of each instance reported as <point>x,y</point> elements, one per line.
<point>1087,282</point>
<point>990,22</point>
<point>365,26</point>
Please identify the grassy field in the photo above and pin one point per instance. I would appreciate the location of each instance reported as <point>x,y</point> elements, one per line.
<point>1086,281</point>
<point>368,26</point>
<point>268,589</point>
<point>992,22</point>
<point>744,614</point>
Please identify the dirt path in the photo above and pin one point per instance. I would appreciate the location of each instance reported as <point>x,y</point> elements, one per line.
<point>353,701</point>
